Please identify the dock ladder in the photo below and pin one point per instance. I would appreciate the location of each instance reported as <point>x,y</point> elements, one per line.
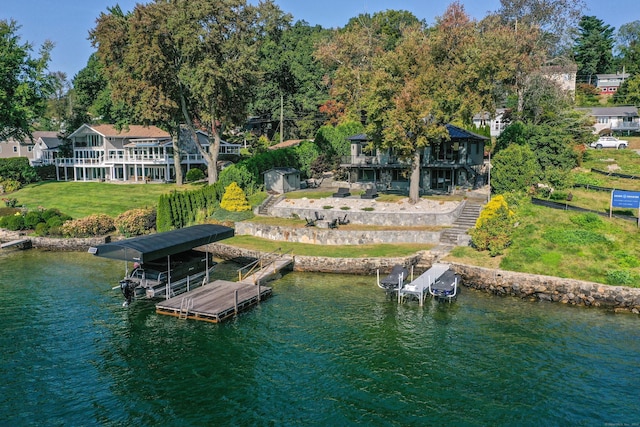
<point>185,305</point>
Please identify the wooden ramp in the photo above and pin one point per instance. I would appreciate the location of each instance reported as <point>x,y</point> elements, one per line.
<point>214,302</point>
<point>21,243</point>
<point>267,273</point>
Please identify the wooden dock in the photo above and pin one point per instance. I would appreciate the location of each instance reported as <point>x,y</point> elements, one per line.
<point>20,243</point>
<point>221,299</point>
<point>214,302</point>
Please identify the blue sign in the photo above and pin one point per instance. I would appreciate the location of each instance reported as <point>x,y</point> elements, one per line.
<point>625,199</point>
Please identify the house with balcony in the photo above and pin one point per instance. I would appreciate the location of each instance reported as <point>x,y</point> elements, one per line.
<point>444,165</point>
<point>496,122</point>
<point>136,153</point>
<point>609,120</point>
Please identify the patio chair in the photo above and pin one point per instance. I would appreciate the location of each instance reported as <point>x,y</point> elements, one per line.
<point>342,192</point>
<point>370,193</point>
<point>333,224</point>
<point>343,221</point>
<point>318,216</point>
<point>310,222</point>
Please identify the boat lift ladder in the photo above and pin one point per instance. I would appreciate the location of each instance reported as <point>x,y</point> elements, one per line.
<point>185,305</point>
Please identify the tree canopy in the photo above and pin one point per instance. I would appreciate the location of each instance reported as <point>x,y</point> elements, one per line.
<point>593,48</point>
<point>25,84</point>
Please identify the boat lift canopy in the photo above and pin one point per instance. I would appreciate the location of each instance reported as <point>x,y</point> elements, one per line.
<point>154,246</point>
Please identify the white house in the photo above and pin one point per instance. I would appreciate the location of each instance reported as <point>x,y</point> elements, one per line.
<point>135,153</point>
<point>614,119</point>
<point>496,123</point>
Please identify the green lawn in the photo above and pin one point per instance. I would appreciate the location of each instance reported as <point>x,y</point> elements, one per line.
<point>80,199</point>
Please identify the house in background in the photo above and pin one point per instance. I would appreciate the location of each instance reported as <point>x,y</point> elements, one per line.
<point>46,149</point>
<point>458,161</point>
<point>41,150</point>
<point>496,123</point>
<point>564,75</point>
<point>282,180</point>
<point>623,119</point>
<point>136,153</point>
<point>608,84</point>
<point>16,148</point>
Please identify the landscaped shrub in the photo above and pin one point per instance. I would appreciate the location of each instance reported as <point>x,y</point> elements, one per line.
<point>9,185</point>
<point>494,227</point>
<point>10,202</point>
<point>13,222</point>
<point>93,225</point>
<point>194,174</point>
<point>136,222</point>
<point>19,169</point>
<point>32,218</point>
<point>234,199</point>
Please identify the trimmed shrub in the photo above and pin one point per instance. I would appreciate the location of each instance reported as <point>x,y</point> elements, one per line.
<point>494,227</point>
<point>234,199</point>
<point>194,174</point>
<point>135,222</point>
<point>93,225</point>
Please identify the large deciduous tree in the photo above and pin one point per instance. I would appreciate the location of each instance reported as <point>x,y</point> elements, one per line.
<point>191,62</point>
<point>628,46</point>
<point>25,84</point>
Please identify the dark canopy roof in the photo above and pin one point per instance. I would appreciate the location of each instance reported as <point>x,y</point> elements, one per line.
<point>154,246</point>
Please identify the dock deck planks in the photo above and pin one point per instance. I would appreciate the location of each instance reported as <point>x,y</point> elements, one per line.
<point>214,302</point>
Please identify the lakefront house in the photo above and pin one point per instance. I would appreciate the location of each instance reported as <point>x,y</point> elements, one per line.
<point>444,166</point>
<point>135,153</point>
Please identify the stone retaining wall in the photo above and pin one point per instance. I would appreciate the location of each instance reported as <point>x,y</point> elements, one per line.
<point>372,217</point>
<point>325,236</point>
<point>549,288</point>
<point>48,243</point>
<point>497,282</point>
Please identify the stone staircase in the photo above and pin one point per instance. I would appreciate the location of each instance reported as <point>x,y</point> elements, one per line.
<point>457,234</point>
<point>263,209</point>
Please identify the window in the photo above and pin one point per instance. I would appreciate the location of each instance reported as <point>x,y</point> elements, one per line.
<point>15,149</point>
<point>603,119</point>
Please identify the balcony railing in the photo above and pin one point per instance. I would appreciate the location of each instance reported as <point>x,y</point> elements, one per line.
<point>370,160</point>
<point>128,159</point>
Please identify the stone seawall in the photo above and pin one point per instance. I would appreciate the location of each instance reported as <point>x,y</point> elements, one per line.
<point>549,288</point>
<point>497,282</point>
<point>324,236</point>
<point>52,244</point>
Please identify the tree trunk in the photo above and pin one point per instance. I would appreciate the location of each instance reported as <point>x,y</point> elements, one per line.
<point>176,156</point>
<point>414,183</point>
<point>214,149</point>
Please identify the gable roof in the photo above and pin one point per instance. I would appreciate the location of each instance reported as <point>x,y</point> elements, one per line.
<point>132,131</point>
<point>286,144</point>
<point>49,139</point>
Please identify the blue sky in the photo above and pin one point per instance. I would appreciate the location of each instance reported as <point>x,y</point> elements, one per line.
<point>67,22</point>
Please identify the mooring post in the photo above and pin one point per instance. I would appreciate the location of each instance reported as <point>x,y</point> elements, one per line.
<point>258,291</point>
<point>236,301</point>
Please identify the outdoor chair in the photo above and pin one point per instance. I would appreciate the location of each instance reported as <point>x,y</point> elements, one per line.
<point>342,192</point>
<point>333,224</point>
<point>370,193</point>
<point>310,222</point>
<point>343,221</point>
<point>318,216</point>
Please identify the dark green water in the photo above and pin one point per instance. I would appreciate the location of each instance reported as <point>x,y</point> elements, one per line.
<point>324,350</point>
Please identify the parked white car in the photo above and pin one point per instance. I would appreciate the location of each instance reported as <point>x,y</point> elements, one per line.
<point>609,142</point>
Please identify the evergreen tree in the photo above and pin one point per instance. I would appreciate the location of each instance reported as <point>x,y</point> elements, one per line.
<point>593,49</point>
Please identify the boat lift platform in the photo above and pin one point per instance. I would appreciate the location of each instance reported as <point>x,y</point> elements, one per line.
<point>419,288</point>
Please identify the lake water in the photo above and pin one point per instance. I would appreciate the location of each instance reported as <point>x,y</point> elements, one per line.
<point>326,350</point>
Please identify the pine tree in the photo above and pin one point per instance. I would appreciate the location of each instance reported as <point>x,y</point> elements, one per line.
<point>234,199</point>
